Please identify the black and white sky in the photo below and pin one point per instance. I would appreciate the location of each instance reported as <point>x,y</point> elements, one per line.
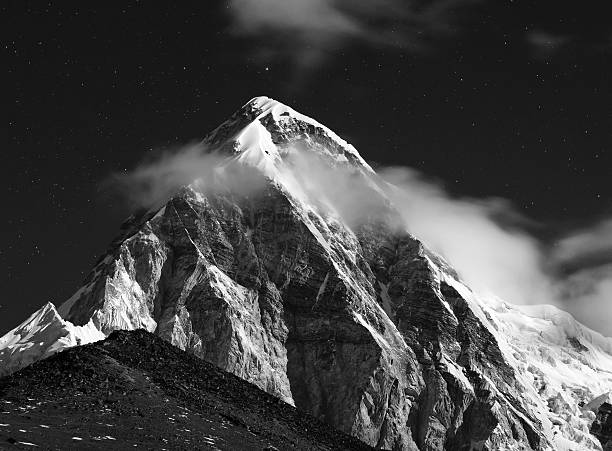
<point>499,113</point>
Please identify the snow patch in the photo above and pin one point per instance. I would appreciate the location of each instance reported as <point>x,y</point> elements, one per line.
<point>382,342</point>
<point>386,299</point>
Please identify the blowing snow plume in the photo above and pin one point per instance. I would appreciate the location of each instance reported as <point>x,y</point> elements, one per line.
<point>482,238</point>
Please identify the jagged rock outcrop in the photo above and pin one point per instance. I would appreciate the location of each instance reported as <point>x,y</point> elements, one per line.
<point>353,321</point>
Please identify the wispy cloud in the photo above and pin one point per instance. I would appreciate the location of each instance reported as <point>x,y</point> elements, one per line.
<point>307,31</point>
<point>481,238</point>
<point>159,177</point>
<point>583,263</point>
<point>591,245</point>
<point>587,295</point>
<point>545,45</point>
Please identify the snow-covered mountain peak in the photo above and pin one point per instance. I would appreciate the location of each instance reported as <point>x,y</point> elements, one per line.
<point>362,326</point>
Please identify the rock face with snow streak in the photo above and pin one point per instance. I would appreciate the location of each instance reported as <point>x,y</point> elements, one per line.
<point>358,324</point>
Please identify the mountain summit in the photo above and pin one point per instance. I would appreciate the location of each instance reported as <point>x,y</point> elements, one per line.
<point>265,127</point>
<point>330,306</point>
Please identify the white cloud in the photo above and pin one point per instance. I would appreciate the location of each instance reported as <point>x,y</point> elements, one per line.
<point>489,255</point>
<point>156,179</point>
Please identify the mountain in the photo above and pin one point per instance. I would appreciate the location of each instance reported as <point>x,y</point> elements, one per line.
<point>290,267</point>
<point>97,397</point>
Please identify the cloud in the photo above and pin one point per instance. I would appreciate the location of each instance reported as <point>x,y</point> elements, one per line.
<point>481,238</point>
<point>587,295</point>
<point>583,262</point>
<point>545,45</point>
<point>485,240</point>
<point>591,246</point>
<point>308,31</point>
<point>157,178</point>
<point>312,17</point>
<point>342,189</point>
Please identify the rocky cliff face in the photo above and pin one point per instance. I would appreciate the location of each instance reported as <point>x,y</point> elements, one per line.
<point>602,426</point>
<point>355,322</point>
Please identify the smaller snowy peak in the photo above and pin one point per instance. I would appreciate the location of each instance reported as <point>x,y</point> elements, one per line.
<point>39,321</point>
<point>41,335</point>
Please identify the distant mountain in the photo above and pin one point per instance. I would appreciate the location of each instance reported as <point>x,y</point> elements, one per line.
<point>331,307</point>
<point>134,390</point>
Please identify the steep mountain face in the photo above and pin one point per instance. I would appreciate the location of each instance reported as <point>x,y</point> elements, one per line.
<point>354,321</point>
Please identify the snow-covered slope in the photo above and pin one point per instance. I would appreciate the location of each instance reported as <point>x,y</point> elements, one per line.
<point>354,321</point>
<point>565,367</point>
<point>564,364</point>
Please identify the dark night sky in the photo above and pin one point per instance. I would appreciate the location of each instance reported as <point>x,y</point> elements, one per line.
<point>495,98</point>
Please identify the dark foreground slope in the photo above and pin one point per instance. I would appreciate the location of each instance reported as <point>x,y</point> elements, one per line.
<point>134,390</point>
